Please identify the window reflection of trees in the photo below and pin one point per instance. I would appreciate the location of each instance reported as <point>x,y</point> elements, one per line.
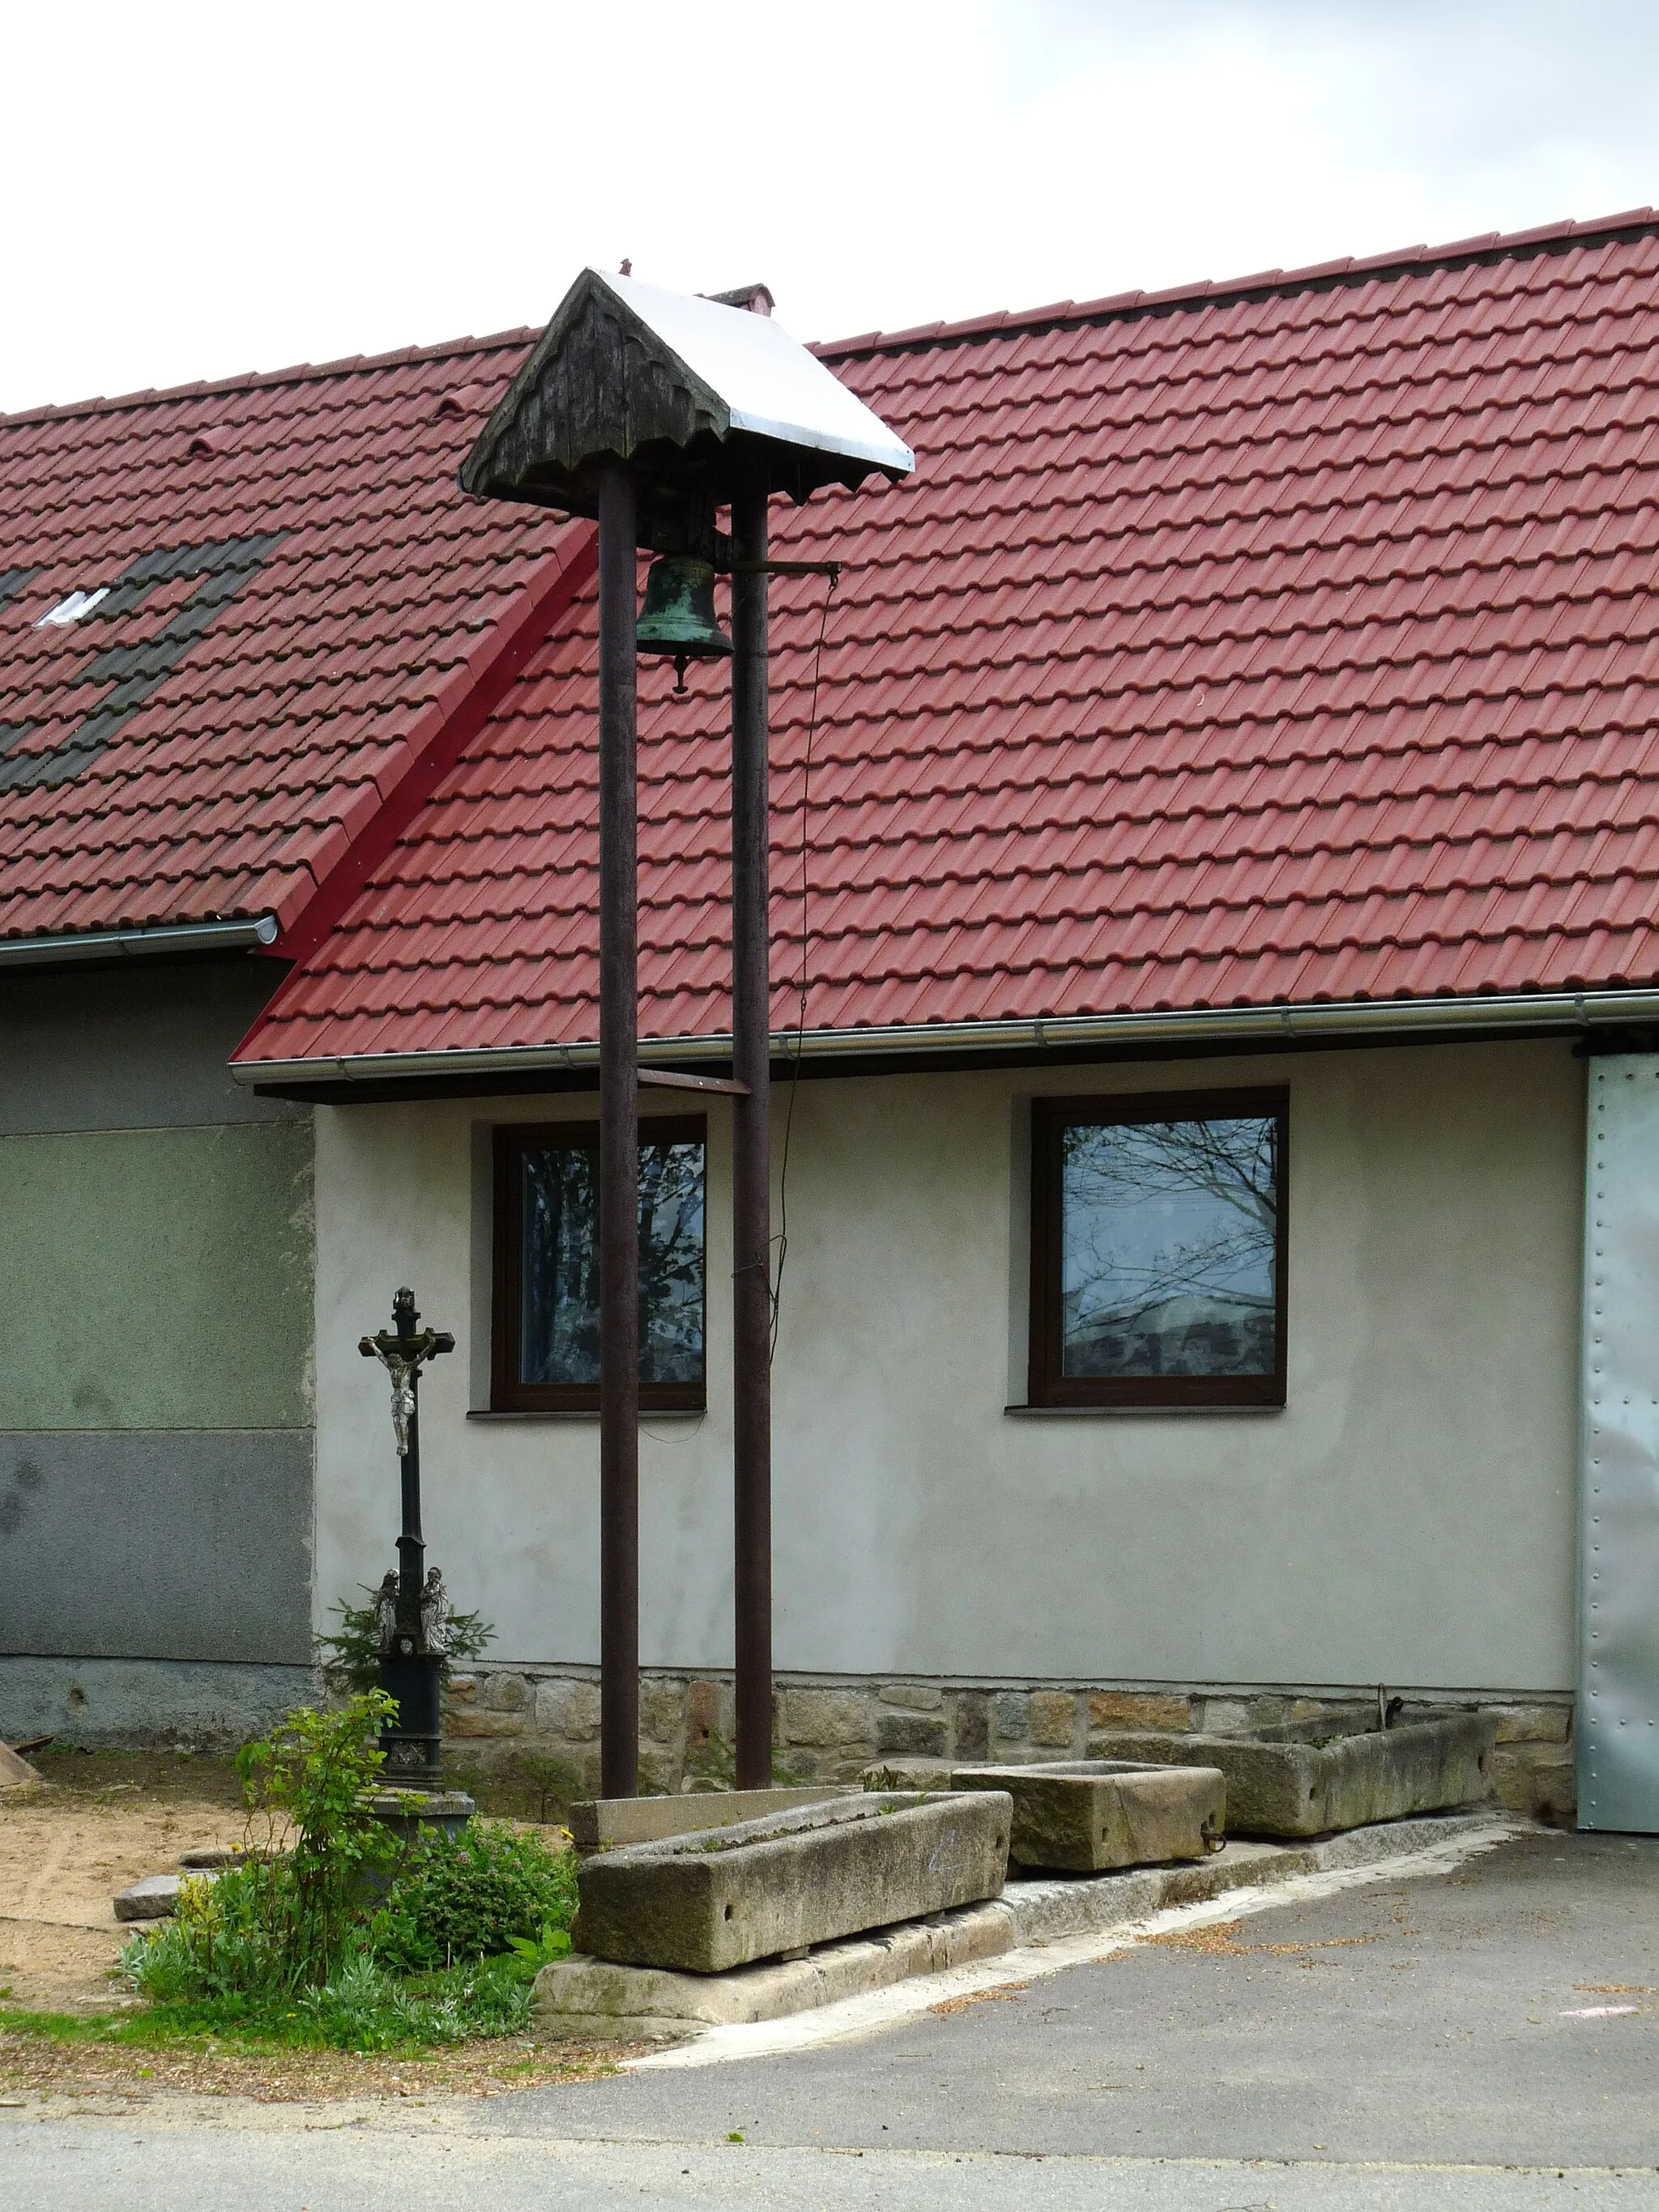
<point>559,1314</point>
<point>1194,1293</point>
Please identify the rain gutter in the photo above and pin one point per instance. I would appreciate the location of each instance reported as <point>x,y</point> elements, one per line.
<point>138,944</point>
<point>1529,1010</point>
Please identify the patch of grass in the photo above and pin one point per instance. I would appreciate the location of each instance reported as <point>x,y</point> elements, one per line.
<point>362,2009</point>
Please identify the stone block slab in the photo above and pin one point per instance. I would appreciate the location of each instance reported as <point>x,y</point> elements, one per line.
<point>916,1697</point>
<point>1052,1715</point>
<point>605,1823</point>
<point>922,1733</point>
<point>703,1902</point>
<point>472,1725</point>
<point>1008,1715</point>
<point>1092,1816</point>
<point>1348,1780</point>
<point>592,1998</point>
<point>567,1709</point>
<point>825,1718</point>
<point>908,1774</point>
<point>662,1709</point>
<point>973,1729</point>
<point>409,1814</point>
<point>1534,1777</point>
<point>1532,1723</point>
<point>16,1773</point>
<point>1137,1709</point>
<point>156,1897</point>
<point>504,1694</point>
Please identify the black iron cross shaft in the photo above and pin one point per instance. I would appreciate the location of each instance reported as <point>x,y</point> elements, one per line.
<point>402,1350</point>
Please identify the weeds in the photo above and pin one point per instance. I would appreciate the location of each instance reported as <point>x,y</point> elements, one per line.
<point>485,1891</point>
<point>347,1938</point>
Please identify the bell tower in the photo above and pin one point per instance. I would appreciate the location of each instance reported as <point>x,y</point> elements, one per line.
<point>652,411</point>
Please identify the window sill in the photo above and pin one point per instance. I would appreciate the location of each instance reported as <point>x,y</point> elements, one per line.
<point>588,1413</point>
<point>1136,1412</point>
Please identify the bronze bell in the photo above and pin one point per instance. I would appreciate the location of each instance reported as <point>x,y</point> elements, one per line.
<point>678,616</point>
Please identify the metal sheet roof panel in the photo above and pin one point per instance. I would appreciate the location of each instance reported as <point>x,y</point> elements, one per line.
<point>770,383</point>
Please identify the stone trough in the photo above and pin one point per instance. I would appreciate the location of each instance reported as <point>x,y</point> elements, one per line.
<point>1314,1778</point>
<point>774,1887</point>
<point>1096,1815</point>
<point>605,1823</point>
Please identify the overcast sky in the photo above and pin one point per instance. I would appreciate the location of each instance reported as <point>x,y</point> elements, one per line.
<point>194,191</point>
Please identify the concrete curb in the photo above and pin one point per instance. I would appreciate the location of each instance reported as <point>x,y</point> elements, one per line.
<point>588,1998</point>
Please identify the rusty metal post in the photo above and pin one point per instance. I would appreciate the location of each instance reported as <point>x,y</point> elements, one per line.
<point>619,1147</point>
<point>751,1152</point>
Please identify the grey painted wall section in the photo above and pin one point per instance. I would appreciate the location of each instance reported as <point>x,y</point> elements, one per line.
<point>102,1703</point>
<point>1408,1517</point>
<point>156,1259</point>
<point>157,1278</point>
<point>187,1545</point>
<point>139,1047</point>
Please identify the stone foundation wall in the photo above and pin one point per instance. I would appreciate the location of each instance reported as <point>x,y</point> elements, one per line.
<point>543,1724</point>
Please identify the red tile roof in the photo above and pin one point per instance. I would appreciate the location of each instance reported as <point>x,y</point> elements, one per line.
<point>298,599</point>
<point>1282,642</point>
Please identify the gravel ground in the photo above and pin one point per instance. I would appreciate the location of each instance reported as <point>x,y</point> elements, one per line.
<point>95,1825</point>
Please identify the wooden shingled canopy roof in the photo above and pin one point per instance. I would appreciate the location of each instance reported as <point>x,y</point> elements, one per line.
<point>691,392</point>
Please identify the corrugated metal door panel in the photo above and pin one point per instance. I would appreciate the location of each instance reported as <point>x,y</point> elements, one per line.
<point>1619,1493</point>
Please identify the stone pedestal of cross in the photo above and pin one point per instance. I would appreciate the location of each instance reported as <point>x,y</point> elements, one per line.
<point>411,1609</point>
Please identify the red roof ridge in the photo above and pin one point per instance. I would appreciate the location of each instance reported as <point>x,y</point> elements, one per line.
<point>1493,245</point>
<point>304,371</point>
<point>1401,261</point>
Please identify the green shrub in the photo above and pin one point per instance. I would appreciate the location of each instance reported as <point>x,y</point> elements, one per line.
<point>350,1657</point>
<point>312,1778</point>
<point>336,1933</point>
<point>286,1921</point>
<point>552,1784</point>
<point>474,1895</point>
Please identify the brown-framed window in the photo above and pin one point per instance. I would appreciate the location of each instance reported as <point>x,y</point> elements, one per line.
<point>1158,1249</point>
<point>545,1332</point>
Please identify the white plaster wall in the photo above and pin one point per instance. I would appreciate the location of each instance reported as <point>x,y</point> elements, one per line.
<point>1408,1517</point>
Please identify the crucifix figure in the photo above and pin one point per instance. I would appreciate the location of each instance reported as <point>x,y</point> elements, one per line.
<point>412,1605</point>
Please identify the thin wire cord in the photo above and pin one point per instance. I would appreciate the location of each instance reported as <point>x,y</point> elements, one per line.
<point>781,1240</point>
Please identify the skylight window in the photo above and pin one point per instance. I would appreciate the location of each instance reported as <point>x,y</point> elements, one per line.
<point>70,611</point>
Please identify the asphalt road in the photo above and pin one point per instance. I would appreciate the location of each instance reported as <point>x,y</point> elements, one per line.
<point>1484,2039</point>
